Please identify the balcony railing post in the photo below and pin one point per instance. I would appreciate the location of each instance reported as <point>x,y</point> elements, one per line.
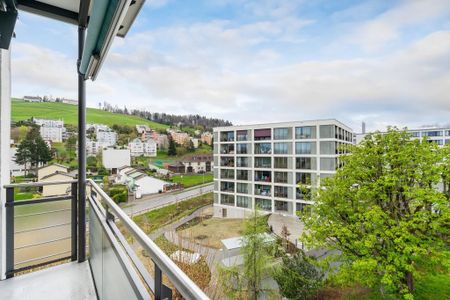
<point>9,232</point>
<point>158,282</point>
<point>74,221</point>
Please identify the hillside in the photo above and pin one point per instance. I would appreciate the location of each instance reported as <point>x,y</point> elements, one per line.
<point>22,110</point>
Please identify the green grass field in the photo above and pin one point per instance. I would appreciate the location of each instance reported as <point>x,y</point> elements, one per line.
<point>191,180</point>
<point>22,110</point>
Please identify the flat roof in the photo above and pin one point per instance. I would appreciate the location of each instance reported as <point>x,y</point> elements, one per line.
<point>287,123</point>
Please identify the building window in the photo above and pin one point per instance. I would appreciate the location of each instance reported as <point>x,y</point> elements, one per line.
<point>432,133</point>
<point>327,132</point>
<point>263,190</point>
<point>262,134</point>
<point>264,204</point>
<point>280,162</point>
<point>281,148</point>
<point>241,148</point>
<point>447,142</point>
<point>226,186</point>
<point>281,206</point>
<point>305,148</point>
<point>303,193</point>
<point>281,191</point>
<point>281,134</point>
<point>263,162</point>
<point>265,176</point>
<point>227,161</point>
<point>306,163</point>
<point>327,164</point>
<point>328,148</point>
<point>227,174</point>
<point>242,188</point>
<point>305,178</point>
<point>263,148</point>
<point>227,149</point>
<point>243,201</point>
<point>281,177</point>
<point>242,135</point>
<point>242,175</point>
<point>415,134</point>
<point>447,133</point>
<point>438,142</point>
<point>303,207</point>
<point>242,162</point>
<point>227,136</point>
<point>306,132</point>
<point>227,199</point>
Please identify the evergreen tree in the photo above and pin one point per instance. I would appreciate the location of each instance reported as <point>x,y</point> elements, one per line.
<point>172,148</point>
<point>23,154</point>
<point>33,149</point>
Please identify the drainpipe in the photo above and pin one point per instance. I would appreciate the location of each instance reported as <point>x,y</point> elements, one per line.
<point>81,151</point>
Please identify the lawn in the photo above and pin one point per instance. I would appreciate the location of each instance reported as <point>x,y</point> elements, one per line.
<point>157,218</point>
<point>22,110</point>
<point>210,231</point>
<point>192,180</point>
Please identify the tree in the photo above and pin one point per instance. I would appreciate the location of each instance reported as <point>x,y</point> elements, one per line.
<point>245,282</point>
<point>285,236</point>
<point>71,143</point>
<point>33,150</point>
<point>297,278</point>
<point>190,146</point>
<point>172,147</point>
<point>382,212</point>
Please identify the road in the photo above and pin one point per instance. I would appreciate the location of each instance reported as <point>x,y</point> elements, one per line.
<point>147,203</point>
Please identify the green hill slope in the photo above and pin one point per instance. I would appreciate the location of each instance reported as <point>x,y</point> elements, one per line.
<point>22,110</point>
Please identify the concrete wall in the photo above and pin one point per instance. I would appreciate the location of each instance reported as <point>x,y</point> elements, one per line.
<point>58,189</point>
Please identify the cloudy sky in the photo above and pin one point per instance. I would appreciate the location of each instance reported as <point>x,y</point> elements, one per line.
<point>385,62</point>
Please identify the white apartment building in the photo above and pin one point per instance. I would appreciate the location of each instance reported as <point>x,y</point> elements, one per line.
<point>440,136</point>
<point>53,134</point>
<point>51,130</point>
<point>140,148</point>
<point>274,166</point>
<point>106,138</point>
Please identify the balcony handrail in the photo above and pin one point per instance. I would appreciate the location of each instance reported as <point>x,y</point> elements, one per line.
<point>179,279</point>
<point>38,184</point>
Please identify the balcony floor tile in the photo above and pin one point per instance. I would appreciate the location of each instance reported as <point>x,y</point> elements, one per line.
<point>68,281</point>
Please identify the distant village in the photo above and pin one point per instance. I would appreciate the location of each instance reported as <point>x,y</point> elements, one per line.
<point>126,156</point>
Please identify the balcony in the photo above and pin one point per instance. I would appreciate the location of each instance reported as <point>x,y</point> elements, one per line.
<point>93,258</point>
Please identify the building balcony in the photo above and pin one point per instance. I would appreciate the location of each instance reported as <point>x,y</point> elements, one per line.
<point>68,250</point>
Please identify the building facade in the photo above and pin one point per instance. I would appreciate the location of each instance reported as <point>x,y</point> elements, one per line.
<point>206,137</point>
<point>106,138</point>
<point>51,130</point>
<point>440,136</point>
<point>274,166</point>
<point>139,148</point>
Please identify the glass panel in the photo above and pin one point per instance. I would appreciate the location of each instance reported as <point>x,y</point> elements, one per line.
<point>281,177</point>
<point>242,162</point>
<point>226,186</point>
<point>264,204</point>
<point>265,176</point>
<point>95,251</point>
<point>227,136</point>
<point>227,199</point>
<point>34,216</point>
<point>242,188</point>
<point>227,161</point>
<point>227,174</point>
<point>242,135</point>
<point>328,147</point>
<point>263,148</point>
<point>280,162</point>
<point>305,148</point>
<point>281,148</point>
<point>306,132</point>
<point>263,190</point>
<point>243,201</point>
<point>327,164</point>
<point>242,149</point>
<point>263,162</point>
<point>281,134</point>
<point>227,149</point>
<point>327,132</point>
<point>242,175</point>
<point>307,163</point>
<point>281,191</point>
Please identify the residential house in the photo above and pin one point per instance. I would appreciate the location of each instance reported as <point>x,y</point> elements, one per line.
<point>142,129</point>
<point>181,138</point>
<point>69,101</point>
<point>32,99</point>
<point>194,142</point>
<point>139,182</point>
<point>206,138</point>
<point>51,169</point>
<point>139,148</point>
<point>198,163</point>
<point>56,189</point>
<point>113,159</point>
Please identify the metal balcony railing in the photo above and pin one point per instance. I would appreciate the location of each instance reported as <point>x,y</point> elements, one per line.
<point>117,271</point>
